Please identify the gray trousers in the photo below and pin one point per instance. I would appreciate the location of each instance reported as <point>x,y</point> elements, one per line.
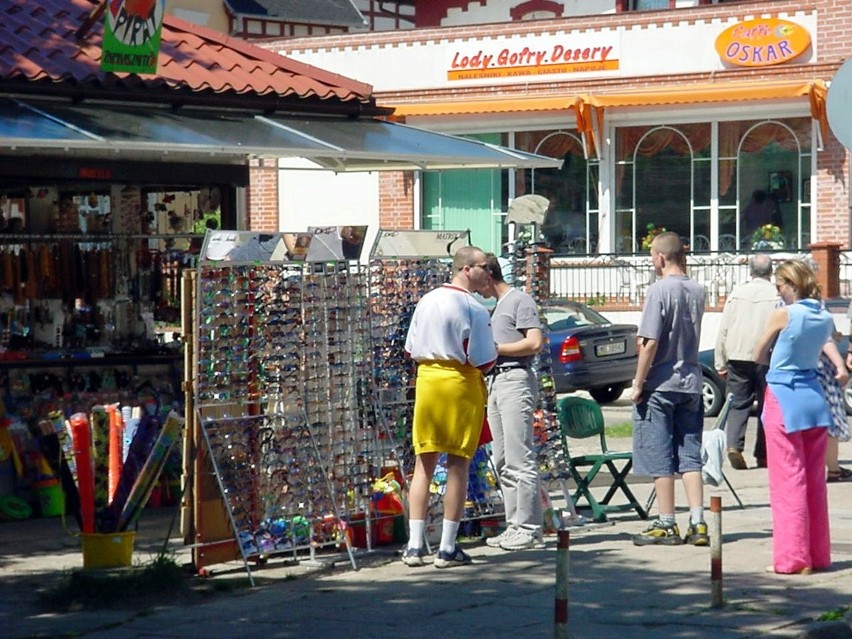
<point>512,396</point>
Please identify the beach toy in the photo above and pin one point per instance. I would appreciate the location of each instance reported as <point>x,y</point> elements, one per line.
<point>116,457</point>
<point>14,508</point>
<point>99,422</point>
<point>85,478</point>
<point>150,473</point>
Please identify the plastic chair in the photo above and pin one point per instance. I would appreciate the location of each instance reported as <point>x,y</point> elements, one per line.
<point>701,243</point>
<point>727,242</point>
<point>580,418</point>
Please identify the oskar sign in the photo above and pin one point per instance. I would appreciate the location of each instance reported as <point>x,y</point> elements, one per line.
<point>762,42</point>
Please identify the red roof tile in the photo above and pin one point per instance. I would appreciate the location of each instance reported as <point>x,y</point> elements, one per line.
<point>38,45</point>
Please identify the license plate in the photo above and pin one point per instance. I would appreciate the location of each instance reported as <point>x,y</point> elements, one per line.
<point>613,348</point>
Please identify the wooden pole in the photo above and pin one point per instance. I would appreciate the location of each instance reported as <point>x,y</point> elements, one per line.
<point>716,551</point>
<point>189,331</point>
<point>560,617</point>
<point>96,14</point>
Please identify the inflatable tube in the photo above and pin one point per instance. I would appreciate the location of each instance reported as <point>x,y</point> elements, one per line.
<point>14,508</point>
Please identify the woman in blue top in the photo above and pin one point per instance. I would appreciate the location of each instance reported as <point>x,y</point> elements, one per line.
<point>795,417</point>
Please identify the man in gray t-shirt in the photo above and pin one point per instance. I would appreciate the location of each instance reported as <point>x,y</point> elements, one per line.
<point>674,307</point>
<point>512,397</point>
<point>668,410</point>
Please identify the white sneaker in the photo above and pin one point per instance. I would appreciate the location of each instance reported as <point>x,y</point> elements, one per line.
<point>494,542</point>
<point>413,557</point>
<point>522,540</point>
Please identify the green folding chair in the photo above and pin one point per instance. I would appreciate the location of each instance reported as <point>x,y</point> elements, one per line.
<point>581,418</point>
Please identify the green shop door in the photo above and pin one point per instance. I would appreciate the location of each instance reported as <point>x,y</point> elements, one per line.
<point>466,199</point>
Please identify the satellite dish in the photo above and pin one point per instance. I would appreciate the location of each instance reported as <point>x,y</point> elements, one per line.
<point>838,104</point>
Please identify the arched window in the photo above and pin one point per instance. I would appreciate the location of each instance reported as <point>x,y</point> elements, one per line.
<point>772,165</point>
<point>662,180</point>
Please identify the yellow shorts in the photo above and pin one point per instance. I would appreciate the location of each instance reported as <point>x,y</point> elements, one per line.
<point>449,406</point>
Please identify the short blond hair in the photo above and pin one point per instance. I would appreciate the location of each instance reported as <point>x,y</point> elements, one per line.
<point>467,256</point>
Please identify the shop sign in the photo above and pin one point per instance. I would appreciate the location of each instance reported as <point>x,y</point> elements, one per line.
<point>762,42</point>
<point>94,173</point>
<point>547,56</point>
<point>132,35</point>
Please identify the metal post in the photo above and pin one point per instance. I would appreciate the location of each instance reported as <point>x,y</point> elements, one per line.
<point>560,617</point>
<point>716,551</point>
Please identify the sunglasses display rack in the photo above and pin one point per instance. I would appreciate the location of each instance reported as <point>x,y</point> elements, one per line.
<point>396,285</point>
<point>282,389</point>
<point>530,271</point>
<point>337,368</point>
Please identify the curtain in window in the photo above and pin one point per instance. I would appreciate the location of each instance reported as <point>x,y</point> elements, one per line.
<point>758,138</point>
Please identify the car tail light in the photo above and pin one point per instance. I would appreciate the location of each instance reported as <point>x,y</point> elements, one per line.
<point>570,351</point>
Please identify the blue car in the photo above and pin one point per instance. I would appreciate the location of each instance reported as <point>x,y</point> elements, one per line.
<point>589,352</point>
<point>713,387</point>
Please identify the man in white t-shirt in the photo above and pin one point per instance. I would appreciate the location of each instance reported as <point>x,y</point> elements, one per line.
<point>450,338</point>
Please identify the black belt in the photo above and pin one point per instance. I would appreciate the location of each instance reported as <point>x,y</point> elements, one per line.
<point>502,369</point>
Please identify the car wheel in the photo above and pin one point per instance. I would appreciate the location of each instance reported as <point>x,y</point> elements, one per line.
<point>607,394</point>
<point>847,396</point>
<point>712,394</point>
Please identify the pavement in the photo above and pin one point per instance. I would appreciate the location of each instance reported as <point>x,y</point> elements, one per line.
<point>616,589</point>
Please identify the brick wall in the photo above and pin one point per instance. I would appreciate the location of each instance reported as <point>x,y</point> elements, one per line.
<point>832,202</point>
<point>396,200</point>
<point>832,206</point>
<point>263,196</point>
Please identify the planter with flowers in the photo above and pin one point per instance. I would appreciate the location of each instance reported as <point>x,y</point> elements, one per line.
<point>767,238</point>
<point>653,231</point>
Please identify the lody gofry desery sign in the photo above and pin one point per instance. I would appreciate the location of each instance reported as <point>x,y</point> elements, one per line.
<point>132,35</point>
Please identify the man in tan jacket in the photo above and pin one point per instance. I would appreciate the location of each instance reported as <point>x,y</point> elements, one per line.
<point>743,321</point>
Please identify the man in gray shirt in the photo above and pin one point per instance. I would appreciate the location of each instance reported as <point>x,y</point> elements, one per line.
<point>512,395</point>
<point>743,321</point>
<point>668,411</point>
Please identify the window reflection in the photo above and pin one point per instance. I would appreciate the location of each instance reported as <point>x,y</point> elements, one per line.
<point>567,227</point>
<point>663,177</point>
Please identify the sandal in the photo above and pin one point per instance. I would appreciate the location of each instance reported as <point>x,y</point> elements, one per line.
<point>841,474</point>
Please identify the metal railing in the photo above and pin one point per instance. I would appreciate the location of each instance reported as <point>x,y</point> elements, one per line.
<point>621,281</point>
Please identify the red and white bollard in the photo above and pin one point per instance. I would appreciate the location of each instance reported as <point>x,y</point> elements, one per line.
<point>715,530</point>
<point>560,615</point>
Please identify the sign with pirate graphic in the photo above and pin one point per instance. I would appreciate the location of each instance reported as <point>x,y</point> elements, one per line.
<point>132,35</point>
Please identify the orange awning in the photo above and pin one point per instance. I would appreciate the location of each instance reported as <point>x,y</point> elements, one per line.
<point>467,107</point>
<point>589,107</point>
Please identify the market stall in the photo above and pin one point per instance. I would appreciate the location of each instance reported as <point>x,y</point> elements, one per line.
<point>304,395</point>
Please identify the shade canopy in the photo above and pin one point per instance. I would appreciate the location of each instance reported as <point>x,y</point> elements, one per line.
<point>523,104</point>
<point>589,108</point>
<point>216,136</point>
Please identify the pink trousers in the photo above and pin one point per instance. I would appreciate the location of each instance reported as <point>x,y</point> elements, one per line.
<point>797,493</point>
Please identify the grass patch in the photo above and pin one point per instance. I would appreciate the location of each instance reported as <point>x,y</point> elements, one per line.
<point>838,614</point>
<point>622,429</point>
<point>161,578</point>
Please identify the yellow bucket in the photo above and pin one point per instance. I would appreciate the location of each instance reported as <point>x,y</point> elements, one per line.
<point>110,550</point>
